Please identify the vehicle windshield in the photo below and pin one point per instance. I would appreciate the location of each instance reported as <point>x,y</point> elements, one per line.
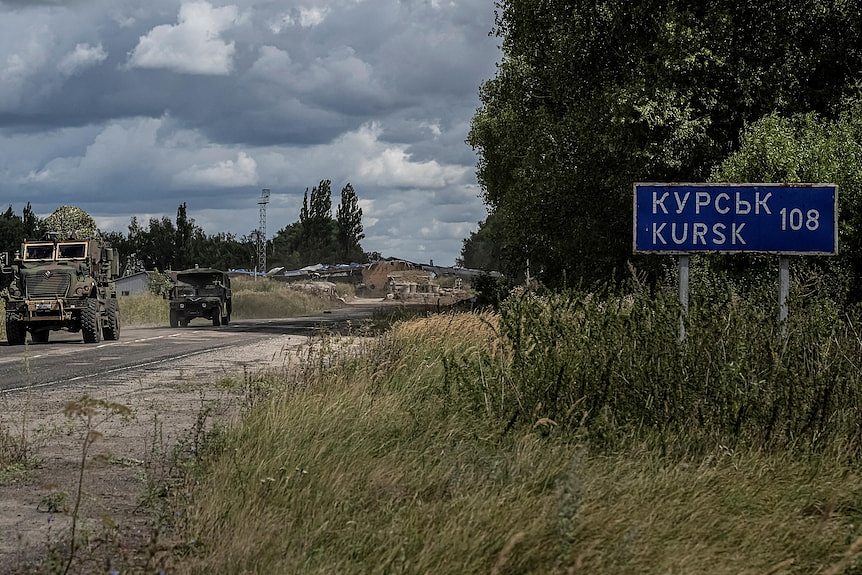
<point>182,290</point>
<point>204,283</point>
<point>71,251</point>
<point>38,252</point>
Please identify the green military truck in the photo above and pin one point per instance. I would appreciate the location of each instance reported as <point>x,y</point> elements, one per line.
<point>67,285</point>
<point>200,292</point>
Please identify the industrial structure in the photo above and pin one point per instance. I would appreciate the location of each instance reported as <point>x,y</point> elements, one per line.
<point>261,232</point>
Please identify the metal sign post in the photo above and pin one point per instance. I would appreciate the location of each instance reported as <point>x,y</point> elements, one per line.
<point>783,292</point>
<point>683,296</point>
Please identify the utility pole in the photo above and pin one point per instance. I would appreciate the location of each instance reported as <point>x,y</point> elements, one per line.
<point>261,233</point>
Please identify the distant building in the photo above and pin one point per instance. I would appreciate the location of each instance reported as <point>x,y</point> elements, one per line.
<point>134,284</point>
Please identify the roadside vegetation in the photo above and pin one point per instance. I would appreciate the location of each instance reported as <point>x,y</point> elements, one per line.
<point>566,433</point>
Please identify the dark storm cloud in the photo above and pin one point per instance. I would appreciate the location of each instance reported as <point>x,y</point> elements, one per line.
<point>129,108</point>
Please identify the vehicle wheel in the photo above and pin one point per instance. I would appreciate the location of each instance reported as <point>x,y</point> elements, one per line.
<point>216,318</point>
<point>184,323</point>
<point>175,320</point>
<point>15,331</point>
<point>111,330</point>
<point>40,336</point>
<point>90,327</point>
<point>226,319</point>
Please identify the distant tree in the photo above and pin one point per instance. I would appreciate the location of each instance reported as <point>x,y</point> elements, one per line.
<point>185,235</point>
<point>317,237</point>
<point>124,248</point>
<point>32,225</point>
<point>317,226</point>
<point>157,244</point>
<point>11,231</point>
<point>287,247</point>
<point>349,219</point>
<point>482,250</point>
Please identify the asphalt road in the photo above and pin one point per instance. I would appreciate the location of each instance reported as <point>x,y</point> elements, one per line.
<point>66,359</point>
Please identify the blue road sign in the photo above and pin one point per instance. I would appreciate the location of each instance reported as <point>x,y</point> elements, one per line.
<point>736,218</point>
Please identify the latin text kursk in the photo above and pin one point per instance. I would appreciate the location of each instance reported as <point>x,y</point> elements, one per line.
<point>700,233</point>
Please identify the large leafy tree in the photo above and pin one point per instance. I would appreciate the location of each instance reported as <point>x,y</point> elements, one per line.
<point>592,96</point>
<point>810,148</point>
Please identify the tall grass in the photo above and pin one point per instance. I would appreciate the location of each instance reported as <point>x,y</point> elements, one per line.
<point>143,310</point>
<point>267,298</point>
<point>534,442</point>
<point>613,369</point>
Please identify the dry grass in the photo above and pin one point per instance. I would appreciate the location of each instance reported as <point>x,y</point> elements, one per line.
<point>143,310</point>
<point>377,465</point>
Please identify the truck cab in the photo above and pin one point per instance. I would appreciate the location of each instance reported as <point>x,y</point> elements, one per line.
<point>61,285</point>
<point>201,293</point>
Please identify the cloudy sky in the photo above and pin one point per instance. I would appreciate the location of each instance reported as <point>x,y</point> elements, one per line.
<point>125,108</point>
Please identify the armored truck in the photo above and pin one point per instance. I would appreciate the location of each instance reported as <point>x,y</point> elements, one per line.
<point>200,292</point>
<point>61,285</point>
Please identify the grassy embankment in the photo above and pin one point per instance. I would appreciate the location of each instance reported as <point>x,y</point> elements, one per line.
<point>565,435</point>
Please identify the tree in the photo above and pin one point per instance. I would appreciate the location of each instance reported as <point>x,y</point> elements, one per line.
<point>316,237</point>
<point>349,218</point>
<point>317,226</point>
<point>481,250</point>
<point>11,231</point>
<point>123,246</point>
<point>155,246</point>
<point>287,247</point>
<point>810,148</point>
<point>593,96</point>
<point>185,234</point>
<point>32,225</point>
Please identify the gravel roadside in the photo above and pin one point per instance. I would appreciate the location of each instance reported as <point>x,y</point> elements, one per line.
<point>165,401</point>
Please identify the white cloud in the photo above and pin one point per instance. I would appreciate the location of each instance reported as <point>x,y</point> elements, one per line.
<point>304,17</point>
<point>83,56</point>
<point>433,127</point>
<point>309,17</point>
<point>223,174</point>
<point>367,207</point>
<point>192,46</point>
<point>391,166</point>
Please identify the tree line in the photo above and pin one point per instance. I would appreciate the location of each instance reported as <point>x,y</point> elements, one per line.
<point>590,97</point>
<point>175,244</point>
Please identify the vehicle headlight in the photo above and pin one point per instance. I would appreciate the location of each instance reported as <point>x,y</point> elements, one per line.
<point>204,304</point>
<point>182,306</point>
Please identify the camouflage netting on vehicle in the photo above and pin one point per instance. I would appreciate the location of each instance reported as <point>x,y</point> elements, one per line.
<point>70,222</point>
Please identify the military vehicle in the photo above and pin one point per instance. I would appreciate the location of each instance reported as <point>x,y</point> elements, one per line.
<point>200,292</point>
<point>57,284</point>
